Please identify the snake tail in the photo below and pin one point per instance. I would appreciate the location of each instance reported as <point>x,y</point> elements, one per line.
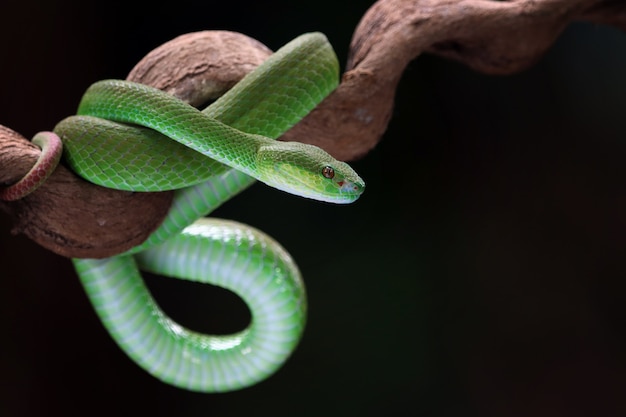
<point>51,151</point>
<point>219,252</point>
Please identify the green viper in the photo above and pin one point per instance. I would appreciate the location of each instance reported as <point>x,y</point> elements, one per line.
<point>122,138</point>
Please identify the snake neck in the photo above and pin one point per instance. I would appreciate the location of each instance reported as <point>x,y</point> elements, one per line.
<point>239,151</point>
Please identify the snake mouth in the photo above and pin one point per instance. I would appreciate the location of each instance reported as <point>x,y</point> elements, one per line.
<point>344,194</point>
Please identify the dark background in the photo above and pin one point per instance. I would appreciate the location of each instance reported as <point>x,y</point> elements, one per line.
<point>481,274</point>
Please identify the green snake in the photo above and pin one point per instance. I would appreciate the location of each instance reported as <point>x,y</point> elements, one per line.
<point>122,137</point>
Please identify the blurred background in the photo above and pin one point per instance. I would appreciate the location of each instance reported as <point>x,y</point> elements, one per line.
<point>481,273</point>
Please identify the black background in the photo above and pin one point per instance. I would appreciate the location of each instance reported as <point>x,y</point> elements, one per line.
<point>481,274</point>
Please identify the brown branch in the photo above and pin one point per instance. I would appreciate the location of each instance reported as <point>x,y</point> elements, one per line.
<point>494,37</point>
<point>76,219</point>
<point>72,217</point>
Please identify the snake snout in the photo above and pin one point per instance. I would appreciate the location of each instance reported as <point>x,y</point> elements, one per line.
<point>350,190</point>
<point>351,187</point>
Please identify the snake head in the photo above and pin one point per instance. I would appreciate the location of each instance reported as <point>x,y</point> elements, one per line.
<point>308,171</point>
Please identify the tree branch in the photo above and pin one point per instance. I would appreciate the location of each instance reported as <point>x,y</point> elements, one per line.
<point>493,37</point>
<point>76,219</point>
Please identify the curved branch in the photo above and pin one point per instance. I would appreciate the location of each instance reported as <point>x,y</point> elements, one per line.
<point>494,37</point>
<point>76,219</point>
<point>72,217</point>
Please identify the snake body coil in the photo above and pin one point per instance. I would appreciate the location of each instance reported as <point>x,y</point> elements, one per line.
<point>121,139</point>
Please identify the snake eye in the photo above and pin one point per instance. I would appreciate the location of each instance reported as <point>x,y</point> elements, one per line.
<point>328,172</point>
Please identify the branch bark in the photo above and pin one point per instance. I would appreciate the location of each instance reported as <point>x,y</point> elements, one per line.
<point>76,219</point>
<point>493,37</point>
<point>70,216</point>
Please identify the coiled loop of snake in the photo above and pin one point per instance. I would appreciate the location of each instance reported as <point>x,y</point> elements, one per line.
<point>210,161</point>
